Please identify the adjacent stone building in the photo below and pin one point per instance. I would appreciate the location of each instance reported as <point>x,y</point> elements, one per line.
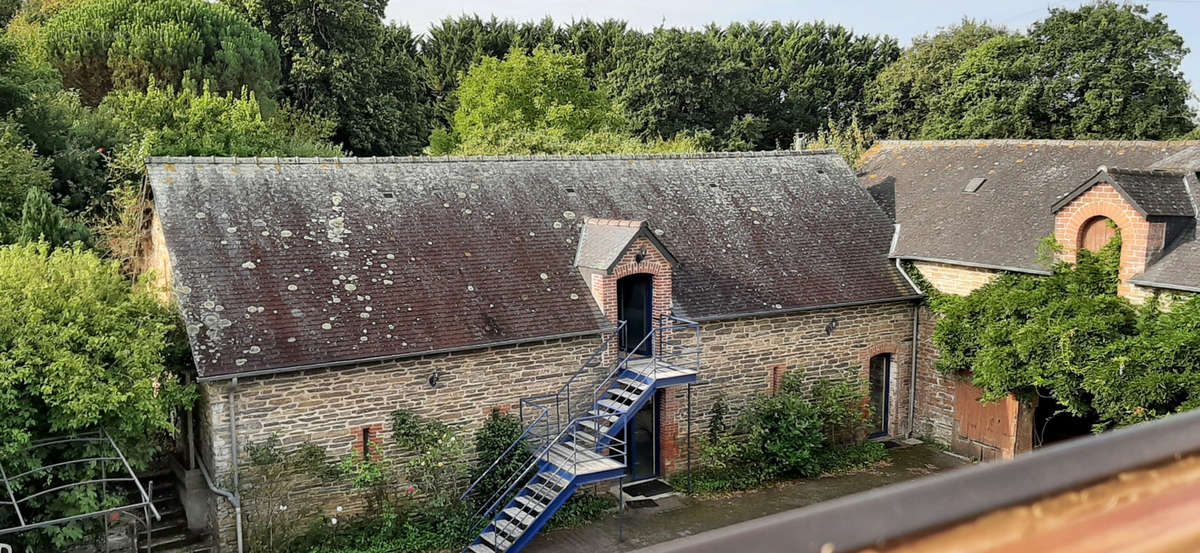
<point>322,295</point>
<point>968,210</point>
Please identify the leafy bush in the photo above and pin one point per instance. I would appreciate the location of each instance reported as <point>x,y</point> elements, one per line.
<point>794,433</point>
<point>491,441</point>
<point>80,349</point>
<point>41,220</point>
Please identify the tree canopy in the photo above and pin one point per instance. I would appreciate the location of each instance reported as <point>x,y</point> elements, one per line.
<point>537,104</point>
<point>1102,71</point>
<point>342,63</point>
<point>100,45</point>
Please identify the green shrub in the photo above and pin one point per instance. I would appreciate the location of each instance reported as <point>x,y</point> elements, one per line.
<point>491,441</point>
<point>797,432</point>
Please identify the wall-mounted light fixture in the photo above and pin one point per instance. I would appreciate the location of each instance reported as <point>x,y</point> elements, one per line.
<point>832,326</point>
<point>434,379</point>
<point>640,255</point>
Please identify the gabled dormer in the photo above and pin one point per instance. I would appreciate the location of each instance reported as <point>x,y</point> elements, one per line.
<point>1150,208</point>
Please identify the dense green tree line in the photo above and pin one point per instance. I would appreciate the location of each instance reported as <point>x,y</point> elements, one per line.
<point>90,88</point>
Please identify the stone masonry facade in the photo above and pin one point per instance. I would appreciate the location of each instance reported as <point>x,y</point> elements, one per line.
<point>741,359</point>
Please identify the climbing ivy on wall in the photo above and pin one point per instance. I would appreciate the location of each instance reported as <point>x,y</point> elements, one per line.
<point>1071,335</point>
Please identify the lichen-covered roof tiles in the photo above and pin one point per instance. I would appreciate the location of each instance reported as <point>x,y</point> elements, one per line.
<point>999,225</point>
<point>287,263</point>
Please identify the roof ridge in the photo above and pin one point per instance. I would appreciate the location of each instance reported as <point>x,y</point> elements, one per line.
<point>458,159</point>
<point>1165,171</point>
<point>1034,141</point>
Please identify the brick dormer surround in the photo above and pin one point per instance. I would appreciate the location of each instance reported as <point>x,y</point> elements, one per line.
<point>620,248</point>
<point>1142,238</point>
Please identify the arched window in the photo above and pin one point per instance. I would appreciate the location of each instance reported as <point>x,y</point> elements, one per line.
<point>1097,232</point>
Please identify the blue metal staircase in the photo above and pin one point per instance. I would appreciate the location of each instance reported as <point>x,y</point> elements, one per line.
<point>578,436</point>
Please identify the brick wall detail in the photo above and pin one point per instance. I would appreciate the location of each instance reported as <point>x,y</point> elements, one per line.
<point>958,280</point>
<point>1141,239</point>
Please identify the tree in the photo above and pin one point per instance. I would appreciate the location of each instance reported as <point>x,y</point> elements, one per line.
<point>81,349</point>
<point>1114,73</point>
<point>100,45</point>
<point>342,63</point>
<point>899,99</point>
<point>76,141</point>
<point>991,94</point>
<point>43,221</point>
<point>20,171</point>
<point>1103,71</point>
<point>192,121</point>
<point>537,104</point>
<point>681,81</point>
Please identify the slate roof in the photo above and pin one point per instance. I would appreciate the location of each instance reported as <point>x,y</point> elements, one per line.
<point>998,226</point>
<point>292,263</point>
<point>602,242</point>
<point>1152,192</point>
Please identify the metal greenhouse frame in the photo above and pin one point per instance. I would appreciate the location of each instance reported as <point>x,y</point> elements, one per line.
<point>26,521</point>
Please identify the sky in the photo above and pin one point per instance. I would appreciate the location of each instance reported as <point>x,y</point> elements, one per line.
<point>903,19</point>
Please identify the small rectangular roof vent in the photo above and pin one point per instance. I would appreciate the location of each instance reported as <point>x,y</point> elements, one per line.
<point>974,184</point>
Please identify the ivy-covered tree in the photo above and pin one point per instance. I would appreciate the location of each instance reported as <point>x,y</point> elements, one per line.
<point>101,45</point>
<point>1070,335</point>
<point>899,98</point>
<point>541,103</point>
<point>80,349</point>
<point>342,63</point>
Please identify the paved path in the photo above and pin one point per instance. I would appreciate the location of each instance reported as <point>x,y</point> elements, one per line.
<point>680,516</point>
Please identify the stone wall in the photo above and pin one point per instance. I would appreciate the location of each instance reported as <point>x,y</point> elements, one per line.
<point>741,359</point>
<point>330,407</point>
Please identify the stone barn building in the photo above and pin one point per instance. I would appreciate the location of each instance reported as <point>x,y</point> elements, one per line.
<point>968,210</point>
<point>322,295</point>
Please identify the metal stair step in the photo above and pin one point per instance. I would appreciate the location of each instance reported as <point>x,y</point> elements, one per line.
<point>521,517</point>
<point>555,481</point>
<point>632,383</point>
<point>494,541</point>
<point>542,493</point>
<point>480,548</point>
<point>596,424</point>
<point>624,395</point>
<point>531,504</point>
<point>612,406</point>
<point>610,419</point>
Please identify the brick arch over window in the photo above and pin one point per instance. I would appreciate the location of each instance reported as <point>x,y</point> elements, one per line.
<point>1139,236</point>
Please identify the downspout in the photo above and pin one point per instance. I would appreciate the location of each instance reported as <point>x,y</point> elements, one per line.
<point>237,505</point>
<point>916,334</point>
<point>233,498</point>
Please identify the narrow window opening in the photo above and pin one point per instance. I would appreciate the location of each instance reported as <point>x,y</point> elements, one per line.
<point>366,441</point>
<point>389,195</point>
